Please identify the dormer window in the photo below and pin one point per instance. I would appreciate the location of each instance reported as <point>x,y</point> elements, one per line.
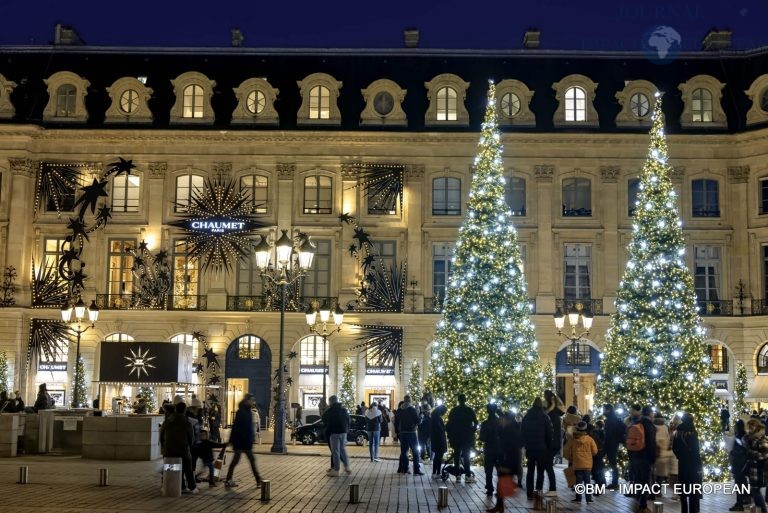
<point>319,94</point>
<point>576,96</point>
<point>446,104</point>
<point>193,102</point>
<point>193,92</point>
<point>66,96</point>
<point>701,109</point>
<point>255,103</point>
<point>319,103</point>
<point>575,104</point>
<point>447,94</point>
<point>130,99</point>
<point>702,96</point>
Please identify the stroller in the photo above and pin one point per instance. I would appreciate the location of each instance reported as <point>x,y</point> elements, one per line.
<point>449,469</point>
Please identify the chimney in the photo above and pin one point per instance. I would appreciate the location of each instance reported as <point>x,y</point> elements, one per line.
<point>237,37</point>
<point>717,40</point>
<point>411,37</point>
<point>532,39</point>
<point>65,35</point>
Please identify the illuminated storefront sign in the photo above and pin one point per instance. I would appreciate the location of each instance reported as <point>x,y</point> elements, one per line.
<point>217,225</point>
<point>52,366</point>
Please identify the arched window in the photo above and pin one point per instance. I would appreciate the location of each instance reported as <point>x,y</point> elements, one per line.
<point>256,189</point>
<point>577,197</point>
<point>515,195</point>
<point>314,355</point>
<point>118,337</point>
<point>575,104</point>
<point>446,196</point>
<point>762,360</point>
<point>193,102</point>
<point>704,198</point>
<point>633,189</point>
<point>319,103</point>
<point>317,194</point>
<point>65,101</point>
<point>446,104</point>
<point>701,106</point>
<point>718,359</point>
<point>186,185</point>
<point>249,347</point>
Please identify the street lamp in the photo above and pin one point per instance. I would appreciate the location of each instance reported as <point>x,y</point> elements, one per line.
<point>573,320</point>
<point>287,250</point>
<point>320,327</point>
<point>66,315</point>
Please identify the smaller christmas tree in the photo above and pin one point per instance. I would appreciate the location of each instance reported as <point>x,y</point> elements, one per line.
<point>148,393</point>
<point>414,384</point>
<point>548,376</point>
<point>347,389</point>
<point>740,405</point>
<point>3,372</point>
<point>79,389</point>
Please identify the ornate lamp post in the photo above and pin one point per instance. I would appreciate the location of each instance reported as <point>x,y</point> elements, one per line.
<point>66,315</point>
<point>320,327</point>
<point>294,257</point>
<point>573,320</point>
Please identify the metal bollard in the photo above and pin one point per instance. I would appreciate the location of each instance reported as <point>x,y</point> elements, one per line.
<point>550,504</point>
<point>354,493</point>
<point>23,475</point>
<point>538,501</point>
<point>442,497</point>
<point>266,490</point>
<point>658,507</point>
<point>753,509</point>
<point>103,477</point>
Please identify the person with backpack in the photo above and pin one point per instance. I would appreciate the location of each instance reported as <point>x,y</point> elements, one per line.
<point>757,455</point>
<point>461,427</point>
<point>489,438</point>
<point>737,457</point>
<point>373,428</point>
<point>615,433</point>
<point>641,446</point>
<point>580,450</point>
<point>685,445</point>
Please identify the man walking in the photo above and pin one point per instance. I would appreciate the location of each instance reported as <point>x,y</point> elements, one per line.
<point>489,436</point>
<point>615,431</point>
<point>408,423</point>
<point>336,422</point>
<point>242,438</point>
<point>537,438</point>
<point>461,427</point>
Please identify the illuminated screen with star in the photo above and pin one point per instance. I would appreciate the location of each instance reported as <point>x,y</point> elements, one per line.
<point>145,362</point>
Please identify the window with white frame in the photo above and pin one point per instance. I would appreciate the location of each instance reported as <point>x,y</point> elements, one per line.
<point>118,337</point>
<point>256,189</point>
<point>704,198</point>
<point>442,268</point>
<point>249,279</point>
<point>447,104</point>
<point>633,189</point>
<point>186,276</point>
<point>248,347</point>
<point>314,355</point>
<point>126,190</point>
<point>317,282</point>
<point>192,105</point>
<point>318,191</point>
<point>701,105</point>
<point>186,187</point>
<point>446,196</point>
<point>120,277</point>
<point>718,359</point>
<point>66,98</point>
<point>577,266</point>
<point>575,104</point>
<point>707,262</point>
<point>51,251</point>
<point>515,195</point>
<point>577,197</point>
<point>319,102</point>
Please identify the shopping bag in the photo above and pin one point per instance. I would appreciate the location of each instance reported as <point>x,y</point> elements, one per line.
<point>506,486</point>
<point>217,467</point>
<point>570,476</point>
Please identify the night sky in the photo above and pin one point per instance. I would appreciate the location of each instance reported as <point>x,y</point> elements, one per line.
<point>493,24</point>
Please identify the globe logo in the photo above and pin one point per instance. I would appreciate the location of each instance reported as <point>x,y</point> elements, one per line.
<point>661,44</point>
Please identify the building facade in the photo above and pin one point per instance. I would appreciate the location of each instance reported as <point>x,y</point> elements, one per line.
<point>306,135</point>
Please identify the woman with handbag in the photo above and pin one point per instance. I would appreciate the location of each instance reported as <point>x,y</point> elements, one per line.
<point>685,445</point>
<point>508,459</point>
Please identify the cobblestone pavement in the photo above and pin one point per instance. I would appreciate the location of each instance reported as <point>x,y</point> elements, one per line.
<point>65,484</point>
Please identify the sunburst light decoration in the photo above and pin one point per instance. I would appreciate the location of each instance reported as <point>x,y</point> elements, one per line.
<point>152,273</point>
<point>382,288</point>
<point>139,362</point>
<point>219,223</point>
<point>47,338</point>
<point>48,289</point>
<point>383,185</point>
<point>383,345</point>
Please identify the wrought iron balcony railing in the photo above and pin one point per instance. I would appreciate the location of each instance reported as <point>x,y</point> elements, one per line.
<point>713,308</point>
<point>163,302</point>
<point>266,303</point>
<point>435,305</point>
<point>595,306</point>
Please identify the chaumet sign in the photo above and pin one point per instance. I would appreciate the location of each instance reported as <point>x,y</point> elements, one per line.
<point>217,225</point>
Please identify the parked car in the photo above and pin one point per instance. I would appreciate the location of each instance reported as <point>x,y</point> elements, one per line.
<point>315,432</point>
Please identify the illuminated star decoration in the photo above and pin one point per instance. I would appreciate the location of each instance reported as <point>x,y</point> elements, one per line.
<point>211,358</point>
<point>139,362</point>
<point>383,344</point>
<point>383,187</point>
<point>199,368</point>
<point>48,289</point>
<point>218,249</point>
<point>91,195</point>
<point>214,380</point>
<point>119,167</point>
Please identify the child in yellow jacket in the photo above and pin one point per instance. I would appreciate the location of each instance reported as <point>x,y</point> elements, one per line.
<point>579,450</point>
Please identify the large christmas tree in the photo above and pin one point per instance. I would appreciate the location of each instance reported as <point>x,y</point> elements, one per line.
<point>655,353</point>
<point>484,343</point>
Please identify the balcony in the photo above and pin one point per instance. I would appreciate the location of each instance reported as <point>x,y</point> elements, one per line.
<point>715,308</point>
<point>435,305</point>
<point>267,303</point>
<point>595,306</point>
<point>577,212</point>
<point>163,302</point>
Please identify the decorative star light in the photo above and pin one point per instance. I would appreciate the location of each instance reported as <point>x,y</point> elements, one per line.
<point>139,362</point>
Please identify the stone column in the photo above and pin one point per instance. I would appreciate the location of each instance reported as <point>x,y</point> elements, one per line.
<point>545,300</point>
<point>413,219</point>
<point>20,245</point>
<point>217,282</point>
<point>349,277</point>
<point>738,250</point>
<point>609,177</point>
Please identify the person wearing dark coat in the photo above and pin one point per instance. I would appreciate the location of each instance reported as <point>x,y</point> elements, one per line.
<point>489,437</point>
<point>336,421</point>
<point>615,432</point>
<point>385,413</point>
<point>205,453</point>
<point>176,439</point>
<point>536,433</point>
<point>6,405</point>
<point>407,425</point>
<point>44,400</point>
<point>508,459</point>
<point>423,433</point>
<point>641,462</point>
<point>19,402</point>
<point>242,437</point>
<point>690,471</point>
<point>725,418</point>
<point>555,410</point>
<point>461,427</point>
<point>437,437</point>
<point>737,458</point>
<point>757,456</point>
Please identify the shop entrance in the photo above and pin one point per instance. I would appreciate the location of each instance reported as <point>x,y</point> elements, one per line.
<point>577,367</point>
<point>249,366</point>
<point>236,390</point>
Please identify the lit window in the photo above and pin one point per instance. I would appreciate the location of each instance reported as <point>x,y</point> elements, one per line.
<point>125,193</point>
<point>249,347</point>
<point>640,105</point>
<point>577,197</point>
<point>442,268</point>
<point>120,278</point>
<point>193,102</point>
<point>577,266</point>
<point>446,104</point>
<point>186,187</point>
<point>65,101</point>
<point>701,106</point>
<point>319,103</point>
<point>446,196</point>
<point>317,194</point>
<point>718,359</point>
<point>575,104</point>
<point>633,189</point>
<point>129,101</point>
<point>707,264</point>
<point>51,250</point>
<point>256,189</point>
<point>255,102</point>
<point>762,360</point>
<point>705,201</point>
<point>515,195</point>
<point>186,277</point>
<point>314,354</point>
<point>578,356</point>
<point>510,105</point>
<point>118,337</point>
